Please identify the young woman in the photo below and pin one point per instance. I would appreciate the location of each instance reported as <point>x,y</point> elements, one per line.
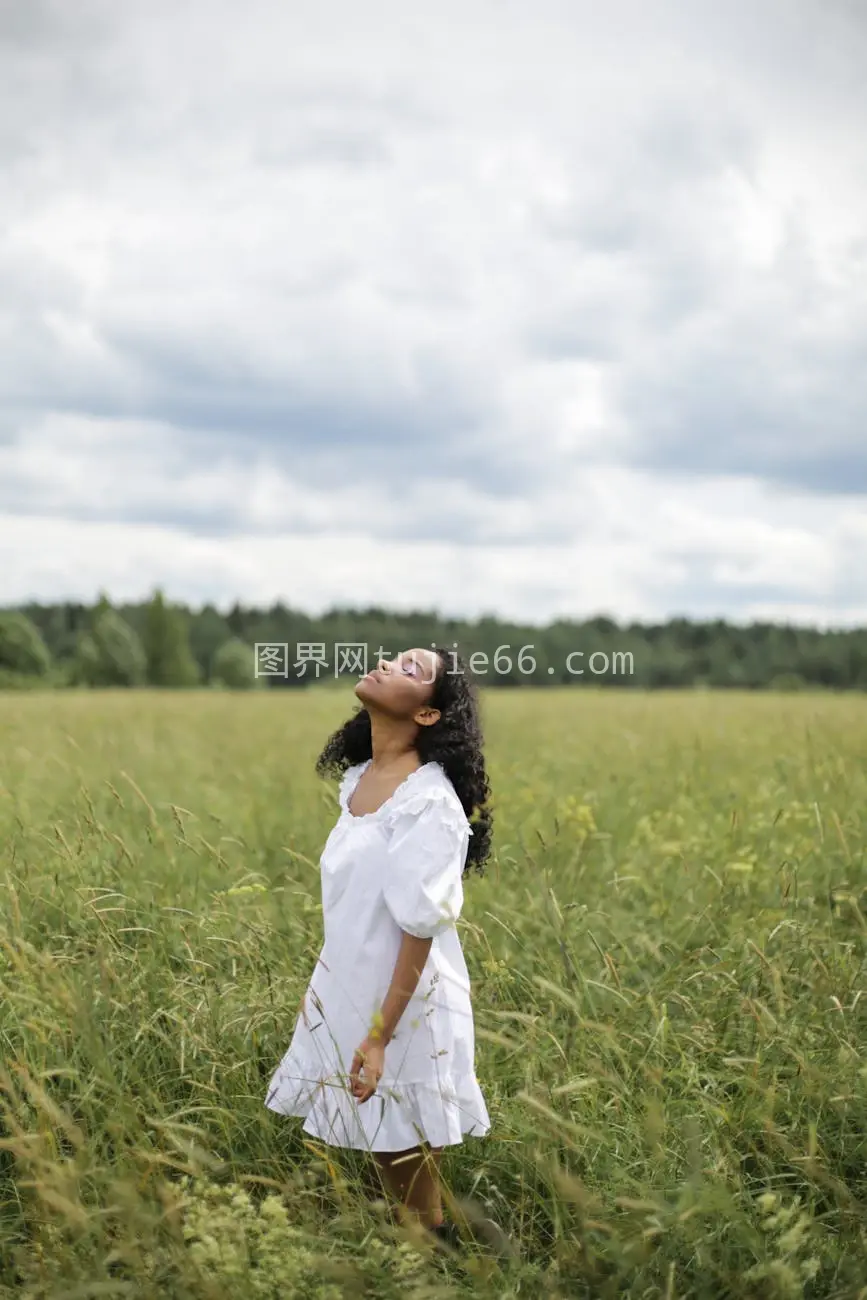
<point>382,1057</point>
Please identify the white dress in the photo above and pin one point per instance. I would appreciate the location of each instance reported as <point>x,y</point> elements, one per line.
<point>396,869</point>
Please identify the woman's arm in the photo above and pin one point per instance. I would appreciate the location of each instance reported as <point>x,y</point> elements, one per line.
<point>369,1060</point>
<point>423,891</point>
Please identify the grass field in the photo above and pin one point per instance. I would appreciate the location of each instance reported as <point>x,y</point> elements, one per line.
<point>667,957</point>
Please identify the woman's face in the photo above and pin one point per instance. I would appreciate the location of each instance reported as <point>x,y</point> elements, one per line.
<point>402,686</point>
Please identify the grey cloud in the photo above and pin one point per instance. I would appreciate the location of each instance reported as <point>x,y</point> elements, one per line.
<point>321,430</point>
<point>323,125</point>
<point>715,370</point>
<point>675,146</point>
<point>439,523</point>
<point>46,23</point>
<point>701,598</point>
<point>791,413</point>
<point>323,147</point>
<point>140,496</point>
<point>417,281</point>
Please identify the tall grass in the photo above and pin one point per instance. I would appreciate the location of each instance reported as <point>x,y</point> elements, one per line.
<point>667,956</point>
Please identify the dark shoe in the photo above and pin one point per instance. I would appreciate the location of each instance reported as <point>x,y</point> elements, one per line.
<point>448,1234</point>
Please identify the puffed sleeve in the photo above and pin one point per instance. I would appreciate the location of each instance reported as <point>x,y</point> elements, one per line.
<point>425,861</point>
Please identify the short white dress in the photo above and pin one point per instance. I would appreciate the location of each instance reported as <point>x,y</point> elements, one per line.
<point>384,872</point>
<point>393,870</point>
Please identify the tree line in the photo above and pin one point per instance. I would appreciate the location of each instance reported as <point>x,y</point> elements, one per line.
<point>160,643</point>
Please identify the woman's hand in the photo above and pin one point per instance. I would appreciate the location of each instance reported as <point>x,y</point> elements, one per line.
<point>366,1070</point>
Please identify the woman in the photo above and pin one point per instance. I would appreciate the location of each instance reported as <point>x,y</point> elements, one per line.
<point>382,1057</point>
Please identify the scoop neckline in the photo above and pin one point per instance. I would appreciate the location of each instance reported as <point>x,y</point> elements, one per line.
<point>407,780</point>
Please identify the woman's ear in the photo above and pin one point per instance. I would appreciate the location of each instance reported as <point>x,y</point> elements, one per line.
<point>426,716</point>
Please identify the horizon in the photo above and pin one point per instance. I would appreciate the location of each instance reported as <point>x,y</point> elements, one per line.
<point>224,609</point>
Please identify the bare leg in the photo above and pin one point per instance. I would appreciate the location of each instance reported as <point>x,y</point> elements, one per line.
<point>412,1177</point>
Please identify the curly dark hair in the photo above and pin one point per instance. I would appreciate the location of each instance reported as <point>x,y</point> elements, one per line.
<point>454,741</point>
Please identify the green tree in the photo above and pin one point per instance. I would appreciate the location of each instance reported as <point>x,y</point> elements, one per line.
<point>167,645</point>
<point>208,631</point>
<point>22,649</point>
<point>234,665</point>
<point>111,654</point>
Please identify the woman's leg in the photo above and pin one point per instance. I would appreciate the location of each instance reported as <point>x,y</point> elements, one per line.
<point>412,1177</point>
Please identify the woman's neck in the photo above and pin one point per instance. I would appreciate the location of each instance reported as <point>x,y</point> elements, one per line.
<point>392,742</point>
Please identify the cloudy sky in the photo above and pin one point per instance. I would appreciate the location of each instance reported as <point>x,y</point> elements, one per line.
<point>543,310</point>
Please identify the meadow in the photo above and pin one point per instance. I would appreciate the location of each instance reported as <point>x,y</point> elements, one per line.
<point>667,955</point>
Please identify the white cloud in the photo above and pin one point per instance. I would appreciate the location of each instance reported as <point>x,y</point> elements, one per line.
<point>602,539</point>
<point>567,302</point>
